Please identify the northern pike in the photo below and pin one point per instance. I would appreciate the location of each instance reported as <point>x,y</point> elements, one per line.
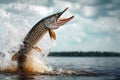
<point>47,24</point>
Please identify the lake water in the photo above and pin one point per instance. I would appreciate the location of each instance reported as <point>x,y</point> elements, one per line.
<point>106,68</point>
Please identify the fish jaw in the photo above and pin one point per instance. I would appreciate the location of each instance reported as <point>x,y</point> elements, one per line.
<point>55,21</point>
<point>62,21</point>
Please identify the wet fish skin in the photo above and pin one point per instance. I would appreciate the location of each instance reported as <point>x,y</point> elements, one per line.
<point>35,34</point>
<point>45,25</point>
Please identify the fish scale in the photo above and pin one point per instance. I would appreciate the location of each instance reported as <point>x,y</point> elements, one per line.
<point>48,24</point>
<point>33,36</point>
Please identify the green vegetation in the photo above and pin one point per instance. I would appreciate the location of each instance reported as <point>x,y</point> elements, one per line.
<point>85,54</point>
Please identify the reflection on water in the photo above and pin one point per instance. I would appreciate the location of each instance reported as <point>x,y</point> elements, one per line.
<point>85,62</point>
<point>25,77</point>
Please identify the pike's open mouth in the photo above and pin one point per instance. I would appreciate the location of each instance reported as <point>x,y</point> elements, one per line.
<point>62,21</point>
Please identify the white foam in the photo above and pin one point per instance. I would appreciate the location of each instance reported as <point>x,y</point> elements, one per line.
<point>14,30</point>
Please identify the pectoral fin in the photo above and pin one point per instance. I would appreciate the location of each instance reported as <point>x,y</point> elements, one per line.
<point>14,57</point>
<point>52,34</point>
<point>37,49</point>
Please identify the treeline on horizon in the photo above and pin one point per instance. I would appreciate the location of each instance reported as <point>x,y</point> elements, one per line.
<point>85,54</point>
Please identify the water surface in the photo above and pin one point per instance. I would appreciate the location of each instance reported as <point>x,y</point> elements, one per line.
<point>106,68</point>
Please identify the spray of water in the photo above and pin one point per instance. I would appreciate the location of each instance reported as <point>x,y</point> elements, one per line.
<point>13,30</point>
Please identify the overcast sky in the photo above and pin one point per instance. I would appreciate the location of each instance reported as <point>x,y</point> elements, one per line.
<point>96,26</point>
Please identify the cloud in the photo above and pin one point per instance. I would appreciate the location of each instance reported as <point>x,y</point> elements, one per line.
<point>3,13</point>
<point>116,1</point>
<point>6,1</point>
<point>89,11</point>
<point>102,45</point>
<point>96,25</point>
<point>90,3</point>
<point>114,13</point>
<point>43,11</point>
<point>78,40</point>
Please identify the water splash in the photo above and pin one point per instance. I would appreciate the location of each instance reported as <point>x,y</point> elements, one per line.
<point>13,30</point>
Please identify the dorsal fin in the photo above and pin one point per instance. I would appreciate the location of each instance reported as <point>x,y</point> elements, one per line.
<point>52,34</point>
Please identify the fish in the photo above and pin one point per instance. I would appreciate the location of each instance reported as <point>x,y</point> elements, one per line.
<point>47,24</point>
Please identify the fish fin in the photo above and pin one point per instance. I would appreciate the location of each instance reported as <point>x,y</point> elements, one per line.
<point>37,49</point>
<point>52,34</point>
<point>15,57</point>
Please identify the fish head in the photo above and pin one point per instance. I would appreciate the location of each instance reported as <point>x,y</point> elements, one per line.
<point>54,21</point>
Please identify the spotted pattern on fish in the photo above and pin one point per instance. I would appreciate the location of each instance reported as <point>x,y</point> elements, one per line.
<point>48,24</point>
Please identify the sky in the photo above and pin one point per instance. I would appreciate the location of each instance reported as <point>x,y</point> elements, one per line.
<point>95,27</point>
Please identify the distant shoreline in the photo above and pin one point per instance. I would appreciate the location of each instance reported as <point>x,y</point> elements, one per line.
<point>84,54</point>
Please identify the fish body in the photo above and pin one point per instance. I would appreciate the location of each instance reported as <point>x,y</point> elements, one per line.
<point>32,38</point>
<point>24,57</point>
